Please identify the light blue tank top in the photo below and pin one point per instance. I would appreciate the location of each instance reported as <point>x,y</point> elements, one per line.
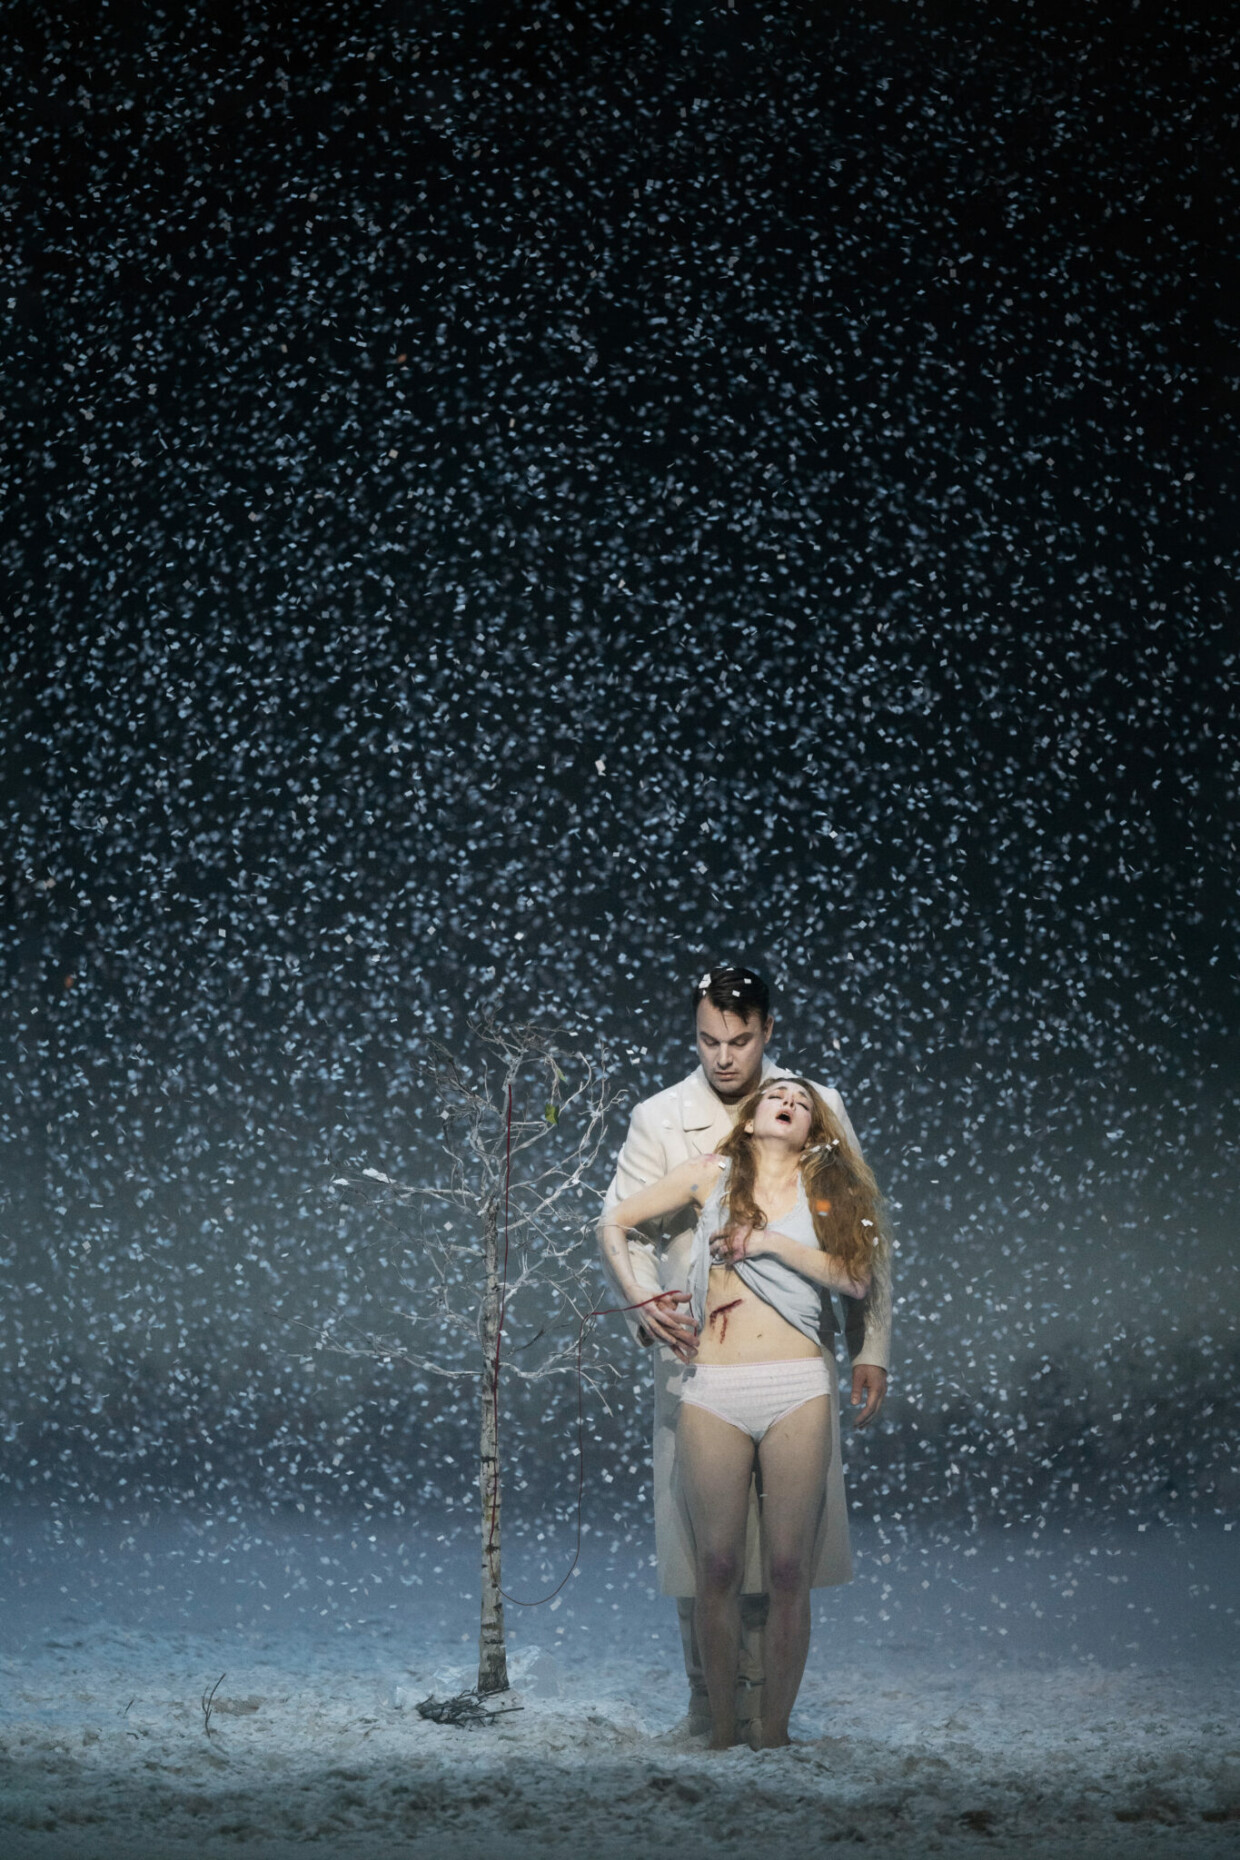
<point>797,1299</point>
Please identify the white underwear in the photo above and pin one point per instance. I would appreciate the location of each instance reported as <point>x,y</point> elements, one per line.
<point>753,1396</point>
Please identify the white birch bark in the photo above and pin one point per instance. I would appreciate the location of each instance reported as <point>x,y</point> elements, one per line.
<point>492,1653</point>
<point>494,1117</point>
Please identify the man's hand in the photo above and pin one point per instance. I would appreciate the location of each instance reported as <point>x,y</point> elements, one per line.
<point>664,1322</point>
<point>736,1243</point>
<point>729,1245</point>
<point>869,1385</point>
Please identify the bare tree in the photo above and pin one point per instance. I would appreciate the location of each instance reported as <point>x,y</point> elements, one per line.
<point>506,1284</point>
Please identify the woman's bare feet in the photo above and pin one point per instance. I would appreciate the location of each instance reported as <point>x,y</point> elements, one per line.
<point>771,1737</point>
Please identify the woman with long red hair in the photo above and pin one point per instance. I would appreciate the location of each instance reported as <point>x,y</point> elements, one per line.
<point>788,1213</point>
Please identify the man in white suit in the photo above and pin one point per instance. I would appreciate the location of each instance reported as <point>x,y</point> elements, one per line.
<point>733,1029</point>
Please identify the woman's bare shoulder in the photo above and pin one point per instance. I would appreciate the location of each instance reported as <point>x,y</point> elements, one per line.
<point>699,1175</point>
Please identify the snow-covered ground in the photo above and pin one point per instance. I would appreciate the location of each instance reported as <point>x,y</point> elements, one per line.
<point>1064,1694</point>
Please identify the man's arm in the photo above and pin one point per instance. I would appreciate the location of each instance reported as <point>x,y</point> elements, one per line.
<point>870,1350</point>
<point>867,1321</point>
<point>642,1160</point>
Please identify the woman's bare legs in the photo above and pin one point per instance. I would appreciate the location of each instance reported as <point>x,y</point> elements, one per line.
<point>794,1455</point>
<point>716,1465</point>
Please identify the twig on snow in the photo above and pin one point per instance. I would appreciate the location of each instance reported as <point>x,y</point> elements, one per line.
<point>208,1702</point>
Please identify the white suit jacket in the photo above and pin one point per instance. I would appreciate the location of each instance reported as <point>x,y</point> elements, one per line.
<point>684,1121</point>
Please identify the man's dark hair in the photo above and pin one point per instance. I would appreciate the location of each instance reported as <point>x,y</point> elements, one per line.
<point>734,991</point>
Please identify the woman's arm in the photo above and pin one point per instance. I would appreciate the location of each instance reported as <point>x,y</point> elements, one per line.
<point>821,1268</point>
<point>690,1181</point>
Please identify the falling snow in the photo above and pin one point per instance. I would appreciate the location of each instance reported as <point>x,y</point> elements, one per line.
<point>507,506</point>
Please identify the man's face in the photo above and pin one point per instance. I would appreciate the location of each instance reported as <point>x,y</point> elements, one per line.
<point>730,1048</point>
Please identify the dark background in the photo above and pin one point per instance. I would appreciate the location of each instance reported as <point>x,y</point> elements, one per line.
<point>504,505</point>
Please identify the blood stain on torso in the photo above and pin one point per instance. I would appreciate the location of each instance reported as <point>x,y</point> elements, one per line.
<point>721,1312</point>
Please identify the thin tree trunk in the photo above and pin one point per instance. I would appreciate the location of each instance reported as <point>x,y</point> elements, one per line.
<point>492,1653</point>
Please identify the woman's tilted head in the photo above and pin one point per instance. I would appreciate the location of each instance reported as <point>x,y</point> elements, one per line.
<point>844,1199</point>
<point>784,1112</point>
